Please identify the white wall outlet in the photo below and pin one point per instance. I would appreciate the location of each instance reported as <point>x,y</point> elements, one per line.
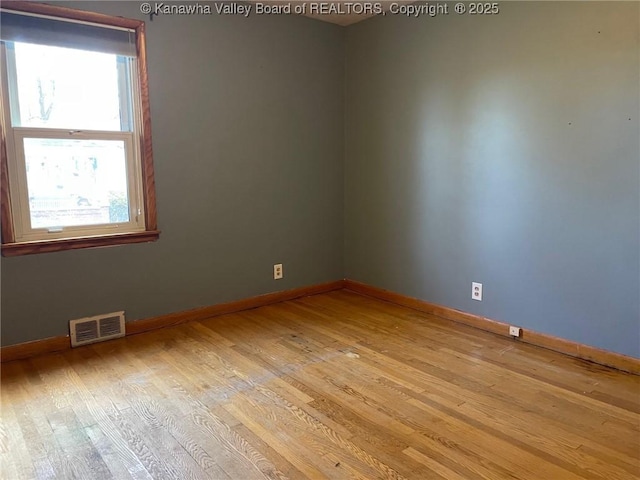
<point>476,291</point>
<point>277,271</point>
<point>514,331</point>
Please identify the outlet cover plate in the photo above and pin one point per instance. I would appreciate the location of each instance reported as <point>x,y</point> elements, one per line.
<point>277,271</point>
<point>476,291</point>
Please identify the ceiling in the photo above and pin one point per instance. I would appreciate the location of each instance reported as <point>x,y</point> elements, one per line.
<point>340,12</point>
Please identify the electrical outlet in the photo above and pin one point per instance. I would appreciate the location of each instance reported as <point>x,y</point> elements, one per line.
<point>277,271</point>
<point>514,331</point>
<point>476,291</point>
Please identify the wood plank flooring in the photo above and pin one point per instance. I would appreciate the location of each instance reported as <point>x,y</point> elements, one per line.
<point>334,386</point>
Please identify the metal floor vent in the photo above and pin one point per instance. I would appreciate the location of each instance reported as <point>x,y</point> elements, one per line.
<point>96,329</point>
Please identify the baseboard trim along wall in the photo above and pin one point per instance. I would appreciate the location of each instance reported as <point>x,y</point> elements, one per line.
<point>568,347</point>
<point>58,344</point>
<point>35,348</point>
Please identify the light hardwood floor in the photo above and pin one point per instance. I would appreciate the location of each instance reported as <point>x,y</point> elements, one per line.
<point>330,386</point>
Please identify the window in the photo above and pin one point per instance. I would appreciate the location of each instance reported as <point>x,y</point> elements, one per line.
<point>77,168</point>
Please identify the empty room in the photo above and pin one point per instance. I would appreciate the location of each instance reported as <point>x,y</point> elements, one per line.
<point>305,240</point>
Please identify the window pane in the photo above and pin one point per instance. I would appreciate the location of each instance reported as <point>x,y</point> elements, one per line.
<point>76,182</point>
<point>68,88</point>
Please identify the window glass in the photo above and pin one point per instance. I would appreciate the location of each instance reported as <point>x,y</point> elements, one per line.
<point>66,88</point>
<point>76,182</point>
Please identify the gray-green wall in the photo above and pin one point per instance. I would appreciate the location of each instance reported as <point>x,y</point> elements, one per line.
<point>502,150</point>
<point>247,117</point>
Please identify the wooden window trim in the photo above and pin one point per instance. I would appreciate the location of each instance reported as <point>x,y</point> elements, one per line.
<point>12,248</point>
<point>42,246</point>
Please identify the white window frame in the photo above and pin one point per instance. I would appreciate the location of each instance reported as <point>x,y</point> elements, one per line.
<point>19,193</point>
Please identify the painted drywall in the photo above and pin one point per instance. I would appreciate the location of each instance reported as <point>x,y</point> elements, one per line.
<point>502,149</point>
<point>247,118</point>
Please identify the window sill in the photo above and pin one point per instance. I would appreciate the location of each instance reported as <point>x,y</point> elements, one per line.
<point>43,246</point>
